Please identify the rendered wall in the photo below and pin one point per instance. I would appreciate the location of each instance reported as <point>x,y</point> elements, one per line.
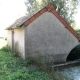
<point>9,38</point>
<point>19,41</point>
<point>47,36</point>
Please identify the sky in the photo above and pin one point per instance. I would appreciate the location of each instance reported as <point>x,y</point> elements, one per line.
<point>77,18</point>
<point>10,10</point>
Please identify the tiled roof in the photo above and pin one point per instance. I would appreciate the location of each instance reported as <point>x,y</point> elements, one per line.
<point>17,23</point>
<point>27,21</point>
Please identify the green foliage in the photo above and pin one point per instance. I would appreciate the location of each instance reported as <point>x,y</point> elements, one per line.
<point>43,65</point>
<point>66,8</point>
<point>78,32</point>
<point>6,48</point>
<point>14,68</point>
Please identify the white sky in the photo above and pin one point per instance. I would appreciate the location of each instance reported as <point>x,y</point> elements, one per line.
<point>77,18</point>
<point>10,10</point>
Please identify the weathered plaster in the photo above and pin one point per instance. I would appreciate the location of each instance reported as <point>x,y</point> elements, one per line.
<point>48,36</point>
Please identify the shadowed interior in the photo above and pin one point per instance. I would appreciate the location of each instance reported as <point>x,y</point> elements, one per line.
<point>74,54</point>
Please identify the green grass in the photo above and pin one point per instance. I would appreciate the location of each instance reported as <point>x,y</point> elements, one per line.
<point>14,68</point>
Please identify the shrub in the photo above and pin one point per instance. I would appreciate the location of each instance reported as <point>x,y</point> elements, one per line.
<point>43,65</point>
<point>15,68</point>
<point>78,32</point>
<point>6,48</point>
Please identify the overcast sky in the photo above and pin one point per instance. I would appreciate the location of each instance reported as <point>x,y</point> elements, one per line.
<point>10,10</point>
<point>77,17</point>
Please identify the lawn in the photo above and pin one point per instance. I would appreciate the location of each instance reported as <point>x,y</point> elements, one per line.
<point>14,68</point>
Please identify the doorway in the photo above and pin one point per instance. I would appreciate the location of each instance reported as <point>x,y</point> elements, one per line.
<point>12,39</point>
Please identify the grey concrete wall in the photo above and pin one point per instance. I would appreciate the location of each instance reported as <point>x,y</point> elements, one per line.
<point>19,41</point>
<point>47,36</point>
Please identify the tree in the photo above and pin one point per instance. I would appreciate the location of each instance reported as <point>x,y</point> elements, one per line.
<point>66,8</point>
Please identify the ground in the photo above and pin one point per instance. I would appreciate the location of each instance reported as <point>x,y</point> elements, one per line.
<point>14,68</point>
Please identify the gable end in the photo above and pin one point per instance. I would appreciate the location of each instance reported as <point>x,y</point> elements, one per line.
<point>52,10</point>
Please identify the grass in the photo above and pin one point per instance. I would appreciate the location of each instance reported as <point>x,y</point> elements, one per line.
<point>14,68</point>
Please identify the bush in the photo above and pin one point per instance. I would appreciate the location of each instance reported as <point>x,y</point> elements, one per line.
<point>46,67</point>
<point>78,32</point>
<point>6,48</point>
<point>15,68</point>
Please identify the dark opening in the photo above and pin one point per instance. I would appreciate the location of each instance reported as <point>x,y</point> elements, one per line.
<point>74,54</point>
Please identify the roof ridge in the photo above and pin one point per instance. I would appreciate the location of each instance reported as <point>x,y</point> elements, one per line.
<point>52,10</point>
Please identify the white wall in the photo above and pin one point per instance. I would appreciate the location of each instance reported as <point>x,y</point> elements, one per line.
<point>19,38</point>
<point>9,38</point>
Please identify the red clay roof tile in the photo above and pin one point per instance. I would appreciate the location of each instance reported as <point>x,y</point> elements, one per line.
<point>52,10</point>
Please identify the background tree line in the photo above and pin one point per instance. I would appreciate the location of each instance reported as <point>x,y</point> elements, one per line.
<point>66,8</point>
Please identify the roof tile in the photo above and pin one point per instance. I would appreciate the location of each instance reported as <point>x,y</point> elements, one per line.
<point>52,10</point>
